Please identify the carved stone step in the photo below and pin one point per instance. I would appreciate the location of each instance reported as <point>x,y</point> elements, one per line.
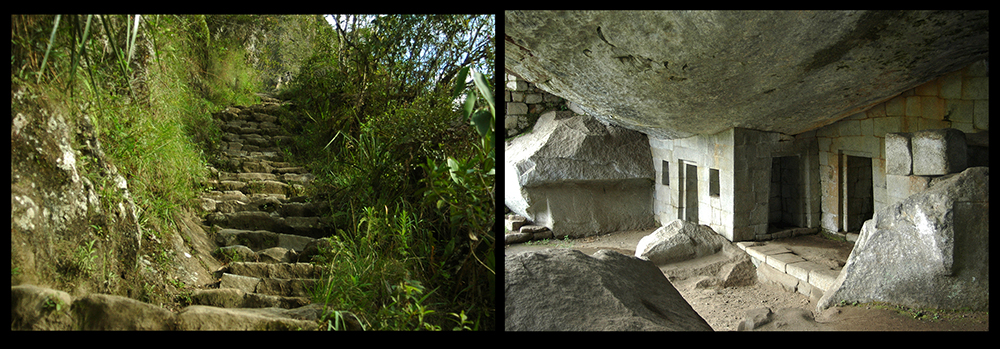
<point>314,227</point>
<point>270,286</point>
<point>235,298</point>
<point>261,239</point>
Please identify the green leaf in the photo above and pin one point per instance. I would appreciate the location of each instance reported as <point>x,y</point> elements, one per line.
<point>453,169</point>
<point>460,82</point>
<point>484,89</point>
<point>482,121</point>
<point>470,103</point>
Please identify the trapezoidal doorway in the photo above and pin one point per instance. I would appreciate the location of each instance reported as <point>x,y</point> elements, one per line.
<point>687,205</point>
<point>858,200</point>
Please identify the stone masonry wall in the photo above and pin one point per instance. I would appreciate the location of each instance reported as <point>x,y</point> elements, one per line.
<point>958,100</point>
<point>525,102</point>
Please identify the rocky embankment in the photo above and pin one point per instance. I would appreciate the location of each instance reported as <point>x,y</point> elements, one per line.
<point>265,229</point>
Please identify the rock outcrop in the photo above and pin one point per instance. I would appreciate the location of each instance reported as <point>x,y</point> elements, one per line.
<point>675,74</point>
<point>62,185</point>
<point>930,250</point>
<point>566,290</point>
<point>679,241</point>
<point>579,177</point>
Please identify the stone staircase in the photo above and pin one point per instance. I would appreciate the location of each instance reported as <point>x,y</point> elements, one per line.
<point>266,229</point>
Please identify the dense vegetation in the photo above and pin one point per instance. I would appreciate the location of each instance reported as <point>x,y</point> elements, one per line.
<point>410,170</point>
<point>411,177</point>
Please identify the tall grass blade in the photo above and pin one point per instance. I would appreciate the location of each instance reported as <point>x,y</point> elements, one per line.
<point>77,56</point>
<point>52,38</point>
<point>134,34</point>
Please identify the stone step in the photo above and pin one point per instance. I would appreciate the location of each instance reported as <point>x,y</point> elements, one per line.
<point>235,298</point>
<point>236,201</point>
<point>314,227</point>
<point>254,187</point>
<point>261,239</point>
<point>261,129</point>
<point>270,286</point>
<point>269,154</point>
<point>260,176</point>
<point>272,270</point>
<point>270,203</point>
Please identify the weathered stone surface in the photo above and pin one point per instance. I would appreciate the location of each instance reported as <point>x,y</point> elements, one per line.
<point>938,152</point>
<point>234,298</point>
<point>514,222</point>
<point>566,290</point>
<point>787,319</point>
<point>674,74</point>
<point>235,253</point>
<point>56,158</point>
<point>579,177</point>
<point>275,270</point>
<point>898,157</point>
<point>101,312</point>
<point>755,318</point>
<point>679,241</point>
<point>278,255</point>
<point>37,308</point>
<point>516,238</point>
<point>930,250</point>
<point>198,317</point>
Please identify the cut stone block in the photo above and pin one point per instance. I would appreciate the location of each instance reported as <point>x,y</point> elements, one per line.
<point>898,160</point>
<point>938,152</point>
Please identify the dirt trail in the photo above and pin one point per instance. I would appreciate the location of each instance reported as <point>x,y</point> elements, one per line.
<point>724,308</point>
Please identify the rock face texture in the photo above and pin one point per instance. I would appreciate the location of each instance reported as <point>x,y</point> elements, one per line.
<point>566,290</point>
<point>930,250</point>
<point>579,177</point>
<point>674,74</point>
<point>59,178</point>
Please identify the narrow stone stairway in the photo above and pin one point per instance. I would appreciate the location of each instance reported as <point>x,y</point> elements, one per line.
<point>265,226</point>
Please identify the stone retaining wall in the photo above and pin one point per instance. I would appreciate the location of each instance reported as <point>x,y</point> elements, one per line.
<point>525,102</point>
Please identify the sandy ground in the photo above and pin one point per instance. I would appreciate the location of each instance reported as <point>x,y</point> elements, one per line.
<point>725,308</point>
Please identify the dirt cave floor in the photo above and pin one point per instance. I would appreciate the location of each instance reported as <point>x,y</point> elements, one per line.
<point>725,308</point>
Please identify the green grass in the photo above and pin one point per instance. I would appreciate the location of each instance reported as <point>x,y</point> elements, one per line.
<point>151,116</point>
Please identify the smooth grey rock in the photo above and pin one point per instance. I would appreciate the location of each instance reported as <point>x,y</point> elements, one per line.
<point>675,74</point>
<point>679,241</point>
<point>579,177</point>
<point>930,250</point>
<point>566,290</point>
<point>755,318</point>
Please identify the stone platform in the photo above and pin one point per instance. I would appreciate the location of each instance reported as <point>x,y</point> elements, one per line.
<point>807,264</point>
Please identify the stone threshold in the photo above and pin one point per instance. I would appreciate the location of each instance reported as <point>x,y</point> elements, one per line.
<point>779,265</point>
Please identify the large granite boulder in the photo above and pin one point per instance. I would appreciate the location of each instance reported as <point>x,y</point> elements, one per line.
<point>674,74</point>
<point>679,241</point>
<point>566,290</point>
<point>930,250</point>
<point>579,177</point>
